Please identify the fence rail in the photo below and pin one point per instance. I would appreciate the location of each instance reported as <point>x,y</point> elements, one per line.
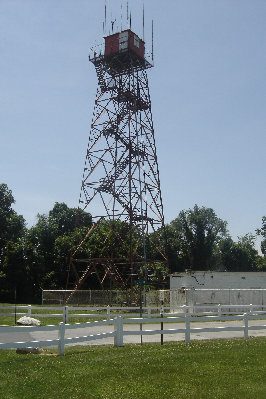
<point>111,312</point>
<point>118,332</point>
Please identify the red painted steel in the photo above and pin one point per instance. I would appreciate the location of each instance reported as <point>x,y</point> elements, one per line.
<point>111,44</point>
<point>121,177</point>
<point>135,44</point>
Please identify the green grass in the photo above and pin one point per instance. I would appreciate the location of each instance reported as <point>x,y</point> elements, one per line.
<point>10,320</point>
<point>204,369</point>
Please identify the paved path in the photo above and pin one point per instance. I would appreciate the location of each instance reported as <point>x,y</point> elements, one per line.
<point>39,335</point>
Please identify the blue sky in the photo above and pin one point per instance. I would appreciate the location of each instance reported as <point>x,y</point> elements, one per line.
<point>207,91</point>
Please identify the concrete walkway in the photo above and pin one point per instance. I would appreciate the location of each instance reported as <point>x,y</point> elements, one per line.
<point>39,335</point>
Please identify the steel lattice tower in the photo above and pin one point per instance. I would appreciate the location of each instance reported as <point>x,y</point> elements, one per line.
<point>121,181</point>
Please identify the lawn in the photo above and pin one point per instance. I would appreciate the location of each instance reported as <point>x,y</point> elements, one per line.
<point>204,369</point>
<point>10,320</point>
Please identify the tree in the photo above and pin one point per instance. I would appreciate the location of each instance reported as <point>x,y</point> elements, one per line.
<point>6,202</point>
<point>47,268</point>
<point>171,237</point>
<point>240,256</point>
<point>109,239</point>
<point>63,220</point>
<point>262,232</point>
<point>12,231</point>
<point>12,226</point>
<point>195,234</point>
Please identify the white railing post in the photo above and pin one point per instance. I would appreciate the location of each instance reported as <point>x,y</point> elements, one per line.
<point>219,310</point>
<point>61,336</point>
<point>29,310</point>
<point>187,334</point>
<point>65,314</point>
<point>118,330</point>
<point>246,325</point>
<point>108,312</point>
<point>149,312</point>
<point>250,308</point>
<point>161,325</point>
<point>185,309</point>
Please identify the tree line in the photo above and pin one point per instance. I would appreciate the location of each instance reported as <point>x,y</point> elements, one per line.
<point>37,258</point>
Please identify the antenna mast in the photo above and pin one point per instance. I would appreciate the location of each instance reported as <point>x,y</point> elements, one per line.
<point>127,14</point>
<point>105,16</point>
<point>152,40</point>
<point>143,23</point>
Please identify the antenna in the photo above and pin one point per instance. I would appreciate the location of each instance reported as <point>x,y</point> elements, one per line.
<point>121,15</point>
<point>143,21</point>
<point>112,22</point>
<point>127,13</point>
<point>152,40</point>
<point>105,16</point>
<point>130,21</point>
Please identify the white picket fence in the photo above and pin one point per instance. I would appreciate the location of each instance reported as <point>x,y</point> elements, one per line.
<point>64,312</point>
<point>60,342</point>
<point>118,332</point>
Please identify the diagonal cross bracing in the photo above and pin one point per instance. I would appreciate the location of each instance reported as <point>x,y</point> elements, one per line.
<point>120,181</point>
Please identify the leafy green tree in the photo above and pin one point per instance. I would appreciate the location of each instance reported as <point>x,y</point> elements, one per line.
<point>18,273</point>
<point>262,232</point>
<point>240,256</point>
<point>12,226</point>
<point>63,220</point>
<point>47,267</point>
<point>109,239</point>
<point>6,202</point>
<point>171,238</point>
<point>194,236</point>
<point>12,231</point>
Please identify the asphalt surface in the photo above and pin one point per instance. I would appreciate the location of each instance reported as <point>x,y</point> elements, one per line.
<point>45,335</point>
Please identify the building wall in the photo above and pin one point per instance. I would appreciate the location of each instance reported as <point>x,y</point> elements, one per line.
<point>192,297</point>
<point>210,280</point>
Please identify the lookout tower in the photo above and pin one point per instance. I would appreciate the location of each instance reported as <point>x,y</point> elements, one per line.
<point>120,183</point>
<point>124,44</point>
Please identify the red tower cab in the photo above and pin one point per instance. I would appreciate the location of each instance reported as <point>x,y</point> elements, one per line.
<point>124,42</point>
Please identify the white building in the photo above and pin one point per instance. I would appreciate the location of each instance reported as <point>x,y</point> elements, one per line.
<point>213,288</point>
<point>208,280</point>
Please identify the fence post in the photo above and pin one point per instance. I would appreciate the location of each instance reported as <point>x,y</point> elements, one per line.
<point>149,312</point>
<point>246,325</point>
<point>250,308</point>
<point>65,314</point>
<point>162,310</point>
<point>185,309</point>
<point>61,336</point>
<point>219,310</point>
<point>187,335</point>
<point>29,310</point>
<point>162,325</point>
<point>108,312</point>
<point>118,330</point>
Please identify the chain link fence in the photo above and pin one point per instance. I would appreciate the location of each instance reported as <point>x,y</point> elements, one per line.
<point>104,298</point>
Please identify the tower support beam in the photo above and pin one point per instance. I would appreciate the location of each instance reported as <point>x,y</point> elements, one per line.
<point>120,183</point>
